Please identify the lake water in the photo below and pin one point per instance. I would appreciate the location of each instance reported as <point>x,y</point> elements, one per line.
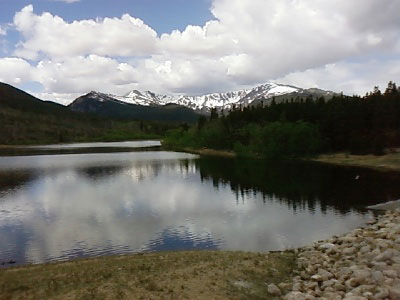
<point>62,206</point>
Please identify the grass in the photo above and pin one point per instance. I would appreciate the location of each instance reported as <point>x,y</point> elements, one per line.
<point>210,152</point>
<point>387,162</point>
<point>168,275</point>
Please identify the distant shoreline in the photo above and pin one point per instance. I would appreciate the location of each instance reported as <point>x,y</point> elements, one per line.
<point>387,162</point>
<point>151,138</point>
<point>211,152</point>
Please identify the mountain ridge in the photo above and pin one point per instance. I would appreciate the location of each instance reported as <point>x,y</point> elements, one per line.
<point>106,105</point>
<point>220,101</point>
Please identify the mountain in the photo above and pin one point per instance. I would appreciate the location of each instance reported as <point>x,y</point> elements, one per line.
<point>221,101</point>
<point>109,106</point>
<point>296,95</point>
<point>25,119</point>
<point>13,98</point>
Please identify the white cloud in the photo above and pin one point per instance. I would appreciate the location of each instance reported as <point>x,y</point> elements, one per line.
<point>53,37</point>
<point>61,98</point>
<point>348,77</point>
<point>14,70</point>
<point>310,42</point>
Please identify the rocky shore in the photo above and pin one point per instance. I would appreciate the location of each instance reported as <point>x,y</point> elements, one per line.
<point>363,264</point>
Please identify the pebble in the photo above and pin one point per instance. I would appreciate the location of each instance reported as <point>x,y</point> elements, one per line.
<point>274,290</point>
<point>361,265</point>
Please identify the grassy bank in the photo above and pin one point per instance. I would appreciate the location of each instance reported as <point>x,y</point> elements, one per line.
<point>211,152</point>
<point>169,275</point>
<point>387,162</point>
<point>202,151</point>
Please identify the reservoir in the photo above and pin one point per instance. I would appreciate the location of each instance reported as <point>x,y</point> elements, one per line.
<point>70,201</point>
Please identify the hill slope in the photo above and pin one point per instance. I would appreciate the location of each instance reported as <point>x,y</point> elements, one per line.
<point>14,98</point>
<point>25,119</point>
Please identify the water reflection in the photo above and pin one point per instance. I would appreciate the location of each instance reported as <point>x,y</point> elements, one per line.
<point>10,180</point>
<point>303,185</point>
<point>85,205</point>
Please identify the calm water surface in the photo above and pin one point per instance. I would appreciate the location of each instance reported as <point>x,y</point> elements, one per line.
<point>63,206</point>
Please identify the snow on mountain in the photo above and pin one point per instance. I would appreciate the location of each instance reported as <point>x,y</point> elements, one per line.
<point>206,102</point>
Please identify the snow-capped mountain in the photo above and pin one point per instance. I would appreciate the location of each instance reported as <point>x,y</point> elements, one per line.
<point>221,101</point>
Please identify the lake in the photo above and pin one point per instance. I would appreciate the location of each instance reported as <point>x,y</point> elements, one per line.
<point>130,197</point>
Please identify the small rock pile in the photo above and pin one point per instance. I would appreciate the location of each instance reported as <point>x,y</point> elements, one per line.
<point>363,264</point>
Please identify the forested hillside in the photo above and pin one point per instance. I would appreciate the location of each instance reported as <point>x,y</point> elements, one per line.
<point>25,119</point>
<point>298,127</point>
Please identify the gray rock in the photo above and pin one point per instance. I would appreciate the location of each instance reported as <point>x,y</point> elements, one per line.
<point>325,275</point>
<point>327,246</point>
<point>365,249</point>
<point>381,293</point>
<point>339,287</point>
<point>348,239</point>
<point>317,277</point>
<point>294,296</point>
<point>243,284</point>
<point>382,243</point>
<point>345,271</point>
<point>362,275</point>
<point>297,286</point>
<point>327,283</point>
<point>351,283</point>
<point>364,264</point>
<point>390,273</point>
<point>377,276</point>
<point>385,255</point>
<point>394,293</point>
<point>332,296</point>
<point>274,290</point>
<point>349,251</point>
<point>380,266</point>
<point>284,285</point>
<point>396,259</point>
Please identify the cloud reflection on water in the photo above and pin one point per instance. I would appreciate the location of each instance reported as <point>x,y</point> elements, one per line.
<point>143,202</point>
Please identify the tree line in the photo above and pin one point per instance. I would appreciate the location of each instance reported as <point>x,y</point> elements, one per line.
<point>299,127</point>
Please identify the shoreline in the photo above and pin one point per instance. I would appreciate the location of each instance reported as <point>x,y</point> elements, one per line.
<point>387,162</point>
<point>360,265</point>
<point>6,146</point>
<point>162,275</point>
<point>211,152</point>
<point>364,263</point>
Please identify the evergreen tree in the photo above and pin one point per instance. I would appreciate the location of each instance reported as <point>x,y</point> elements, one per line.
<point>376,91</point>
<point>214,114</point>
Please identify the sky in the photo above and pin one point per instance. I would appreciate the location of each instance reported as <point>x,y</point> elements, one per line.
<point>61,49</point>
